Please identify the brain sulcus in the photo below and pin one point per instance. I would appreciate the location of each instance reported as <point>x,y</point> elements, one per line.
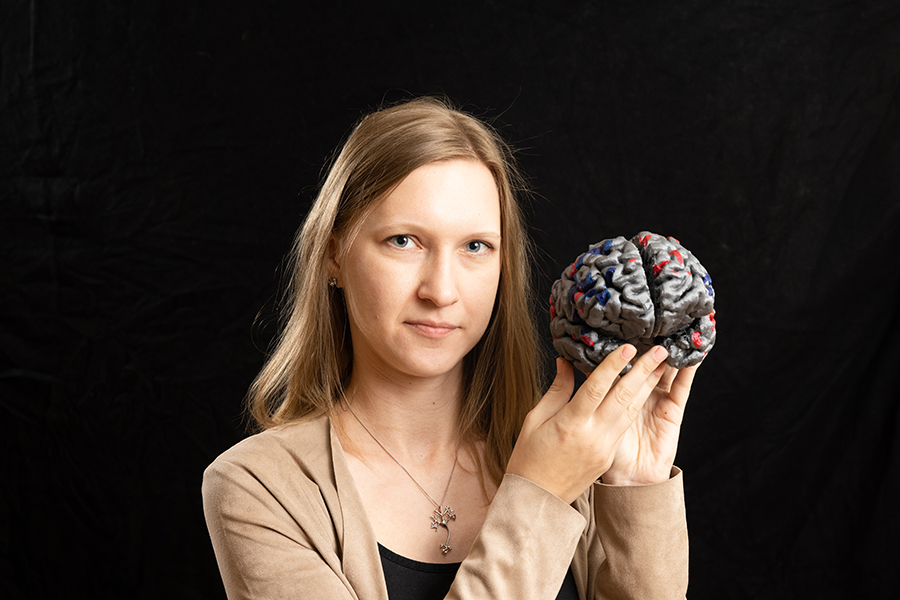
<point>644,291</point>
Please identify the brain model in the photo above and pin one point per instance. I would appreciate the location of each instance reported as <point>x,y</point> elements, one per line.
<point>644,291</point>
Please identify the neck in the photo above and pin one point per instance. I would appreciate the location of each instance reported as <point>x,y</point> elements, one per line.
<point>414,418</point>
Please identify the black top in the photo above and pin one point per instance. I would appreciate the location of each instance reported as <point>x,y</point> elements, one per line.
<point>413,580</point>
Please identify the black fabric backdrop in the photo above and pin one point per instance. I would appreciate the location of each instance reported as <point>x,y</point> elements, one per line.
<point>156,158</point>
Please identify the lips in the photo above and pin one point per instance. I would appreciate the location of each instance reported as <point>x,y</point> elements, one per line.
<point>433,329</point>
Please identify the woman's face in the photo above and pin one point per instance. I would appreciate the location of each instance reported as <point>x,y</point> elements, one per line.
<point>421,276</point>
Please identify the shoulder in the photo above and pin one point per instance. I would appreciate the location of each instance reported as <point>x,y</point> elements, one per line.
<point>304,441</point>
<point>274,513</point>
<point>288,456</point>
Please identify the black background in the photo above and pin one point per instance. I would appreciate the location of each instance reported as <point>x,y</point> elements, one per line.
<point>156,158</point>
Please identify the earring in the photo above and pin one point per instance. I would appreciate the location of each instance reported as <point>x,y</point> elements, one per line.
<point>332,282</point>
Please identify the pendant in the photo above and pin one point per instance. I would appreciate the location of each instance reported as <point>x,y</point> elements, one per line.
<point>441,518</point>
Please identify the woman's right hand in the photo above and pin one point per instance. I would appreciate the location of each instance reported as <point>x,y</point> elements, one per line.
<point>564,445</point>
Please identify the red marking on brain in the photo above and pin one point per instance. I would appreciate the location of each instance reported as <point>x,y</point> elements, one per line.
<point>659,267</point>
<point>697,339</point>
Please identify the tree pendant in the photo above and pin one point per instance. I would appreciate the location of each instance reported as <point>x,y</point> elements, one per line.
<point>441,518</point>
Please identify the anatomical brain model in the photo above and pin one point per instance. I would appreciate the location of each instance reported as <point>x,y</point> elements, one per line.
<point>644,291</point>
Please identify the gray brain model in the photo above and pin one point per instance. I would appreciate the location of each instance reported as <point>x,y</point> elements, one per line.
<point>644,291</point>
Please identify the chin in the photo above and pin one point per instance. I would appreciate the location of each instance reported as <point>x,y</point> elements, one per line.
<point>426,365</point>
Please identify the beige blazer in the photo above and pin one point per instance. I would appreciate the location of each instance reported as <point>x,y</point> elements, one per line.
<point>286,521</point>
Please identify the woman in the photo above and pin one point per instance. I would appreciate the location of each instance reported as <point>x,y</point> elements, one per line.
<point>406,447</point>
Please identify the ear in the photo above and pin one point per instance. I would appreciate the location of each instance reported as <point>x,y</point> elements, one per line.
<point>334,254</point>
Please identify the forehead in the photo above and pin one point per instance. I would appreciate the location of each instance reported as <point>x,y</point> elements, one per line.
<point>457,193</point>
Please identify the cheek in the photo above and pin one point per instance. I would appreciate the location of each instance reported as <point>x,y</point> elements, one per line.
<point>484,294</point>
<point>372,293</point>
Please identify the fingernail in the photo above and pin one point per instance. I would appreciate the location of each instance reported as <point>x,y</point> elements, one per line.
<point>660,354</point>
<point>628,351</point>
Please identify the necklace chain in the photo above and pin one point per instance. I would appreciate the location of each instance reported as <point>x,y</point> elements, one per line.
<point>442,514</point>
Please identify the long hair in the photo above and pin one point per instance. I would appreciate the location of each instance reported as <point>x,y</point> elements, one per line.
<point>312,360</point>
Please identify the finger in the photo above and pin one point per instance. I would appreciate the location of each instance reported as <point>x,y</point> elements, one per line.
<point>595,388</point>
<point>680,389</point>
<point>629,394</point>
<point>665,382</point>
<point>643,394</point>
<point>558,394</point>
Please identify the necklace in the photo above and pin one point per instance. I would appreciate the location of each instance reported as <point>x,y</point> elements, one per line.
<point>442,514</point>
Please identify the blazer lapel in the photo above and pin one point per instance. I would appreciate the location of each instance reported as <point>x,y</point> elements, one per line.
<point>361,560</point>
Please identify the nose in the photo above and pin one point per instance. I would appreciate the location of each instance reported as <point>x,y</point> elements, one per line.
<point>438,281</point>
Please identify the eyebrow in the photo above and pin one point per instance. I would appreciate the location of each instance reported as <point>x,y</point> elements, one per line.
<point>411,226</point>
<point>486,234</point>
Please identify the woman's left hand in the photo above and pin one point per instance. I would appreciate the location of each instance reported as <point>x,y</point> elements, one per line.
<point>647,451</point>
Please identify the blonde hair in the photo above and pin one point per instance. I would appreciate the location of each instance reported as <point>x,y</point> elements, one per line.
<point>305,375</point>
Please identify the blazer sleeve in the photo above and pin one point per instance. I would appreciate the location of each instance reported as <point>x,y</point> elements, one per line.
<point>629,542</point>
<point>637,542</point>
<point>524,548</point>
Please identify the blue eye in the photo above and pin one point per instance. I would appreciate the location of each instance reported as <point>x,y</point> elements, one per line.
<point>401,241</point>
<point>476,246</point>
